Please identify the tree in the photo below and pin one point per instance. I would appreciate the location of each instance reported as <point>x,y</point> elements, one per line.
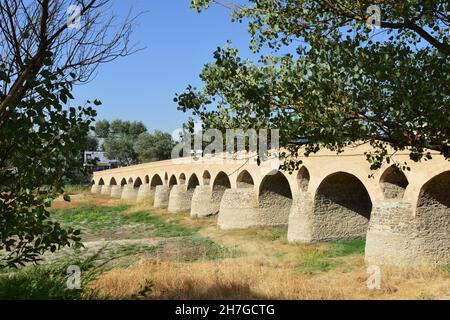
<point>154,147</point>
<point>102,129</point>
<point>120,137</point>
<point>41,137</point>
<point>341,82</point>
<point>130,143</point>
<point>121,149</point>
<point>89,143</point>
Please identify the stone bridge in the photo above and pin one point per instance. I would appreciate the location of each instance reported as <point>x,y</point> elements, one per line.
<point>405,217</point>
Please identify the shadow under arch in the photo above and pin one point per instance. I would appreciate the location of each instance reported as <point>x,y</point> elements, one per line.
<point>275,199</point>
<point>303,178</point>
<point>156,181</point>
<point>113,182</point>
<point>245,180</point>
<point>101,182</point>
<point>137,183</point>
<point>342,208</point>
<point>206,178</point>
<point>173,181</point>
<point>393,183</point>
<point>193,182</point>
<point>220,185</point>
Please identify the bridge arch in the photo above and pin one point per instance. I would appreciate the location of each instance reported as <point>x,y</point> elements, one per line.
<point>220,185</point>
<point>245,180</point>
<point>182,179</point>
<point>123,182</point>
<point>393,183</point>
<point>342,208</point>
<point>130,181</point>
<point>303,178</point>
<point>193,182</point>
<point>433,219</point>
<point>137,183</point>
<point>166,178</point>
<point>275,199</point>
<point>206,178</point>
<point>173,181</point>
<point>113,182</point>
<point>147,179</point>
<point>156,181</point>
<point>101,182</point>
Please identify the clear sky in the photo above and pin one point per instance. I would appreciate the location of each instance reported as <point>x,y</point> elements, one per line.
<point>178,41</point>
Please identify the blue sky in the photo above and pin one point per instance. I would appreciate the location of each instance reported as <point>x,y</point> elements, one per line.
<point>178,41</point>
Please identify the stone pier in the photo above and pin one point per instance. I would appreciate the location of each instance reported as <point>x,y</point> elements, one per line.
<point>180,199</point>
<point>238,209</point>
<point>106,190</point>
<point>129,193</point>
<point>116,192</point>
<point>145,193</point>
<point>161,196</point>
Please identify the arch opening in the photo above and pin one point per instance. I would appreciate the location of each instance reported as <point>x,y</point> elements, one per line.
<point>123,182</point>
<point>245,180</point>
<point>342,208</point>
<point>113,182</point>
<point>172,181</point>
<point>182,179</point>
<point>101,182</point>
<point>166,178</point>
<point>393,183</point>
<point>147,179</point>
<point>303,178</point>
<point>220,185</point>
<point>275,199</point>
<point>137,183</point>
<point>206,178</point>
<point>130,181</point>
<point>156,181</point>
<point>433,219</point>
<point>193,182</point>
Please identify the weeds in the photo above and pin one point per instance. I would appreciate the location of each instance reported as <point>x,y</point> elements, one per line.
<point>49,281</point>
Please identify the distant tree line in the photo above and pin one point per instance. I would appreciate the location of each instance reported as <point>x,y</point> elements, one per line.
<point>130,143</point>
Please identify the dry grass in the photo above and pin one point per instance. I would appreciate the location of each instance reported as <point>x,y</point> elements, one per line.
<point>253,279</point>
<point>224,279</point>
<point>84,199</point>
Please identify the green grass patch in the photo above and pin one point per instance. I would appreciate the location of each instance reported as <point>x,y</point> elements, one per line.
<point>446,269</point>
<point>347,248</point>
<point>273,234</point>
<point>96,219</point>
<point>314,261</point>
<point>206,249</point>
<point>76,189</point>
<point>325,257</point>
